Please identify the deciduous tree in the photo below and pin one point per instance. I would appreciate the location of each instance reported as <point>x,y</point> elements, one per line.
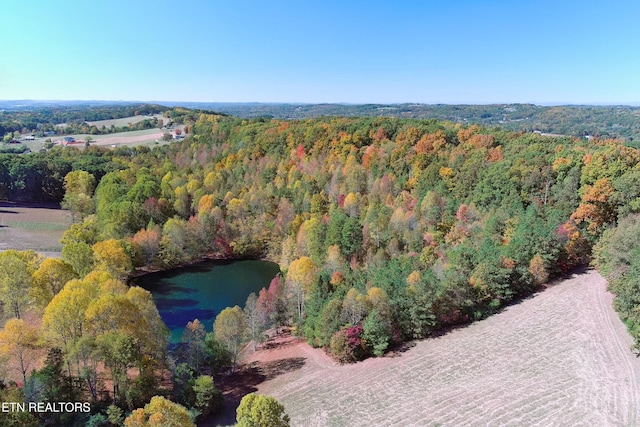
<point>160,412</point>
<point>22,344</point>
<point>49,279</point>
<point>256,319</point>
<point>79,256</point>
<point>111,257</point>
<point>16,269</point>
<point>208,398</point>
<point>230,328</point>
<point>301,280</point>
<point>193,338</point>
<point>79,186</point>
<point>258,410</point>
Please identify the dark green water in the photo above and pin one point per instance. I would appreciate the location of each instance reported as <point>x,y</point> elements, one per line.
<point>201,291</point>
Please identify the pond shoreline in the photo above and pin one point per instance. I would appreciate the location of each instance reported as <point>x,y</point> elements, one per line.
<point>143,271</point>
<point>201,290</point>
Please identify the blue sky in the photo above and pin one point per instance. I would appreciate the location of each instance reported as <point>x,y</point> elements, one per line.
<point>448,51</point>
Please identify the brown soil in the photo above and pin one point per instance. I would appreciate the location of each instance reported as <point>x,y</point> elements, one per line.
<point>282,354</point>
<point>560,358</point>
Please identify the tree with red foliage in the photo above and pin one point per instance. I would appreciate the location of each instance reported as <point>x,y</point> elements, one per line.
<point>347,344</point>
<point>278,306</point>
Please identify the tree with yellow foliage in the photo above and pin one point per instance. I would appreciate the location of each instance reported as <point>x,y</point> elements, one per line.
<point>79,186</point>
<point>301,280</point>
<point>258,410</point>
<point>16,268</point>
<point>21,343</point>
<point>160,412</point>
<point>49,279</point>
<point>111,257</point>
<point>230,328</point>
<point>63,319</point>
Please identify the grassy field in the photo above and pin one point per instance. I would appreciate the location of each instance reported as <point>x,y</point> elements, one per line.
<point>125,121</point>
<point>560,358</point>
<point>36,228</point>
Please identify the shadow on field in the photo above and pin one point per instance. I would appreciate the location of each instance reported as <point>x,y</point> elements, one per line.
<point>8,204</point>
<point>244,381</point>
<point>570,274</point>
<point>398,350</point>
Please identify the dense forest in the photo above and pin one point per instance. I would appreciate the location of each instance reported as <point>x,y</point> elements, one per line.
<point>386,230</point>
<point>570,120</point>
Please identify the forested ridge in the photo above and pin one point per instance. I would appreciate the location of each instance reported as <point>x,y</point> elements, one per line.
<point>385,229</point>
<point>602,121</point>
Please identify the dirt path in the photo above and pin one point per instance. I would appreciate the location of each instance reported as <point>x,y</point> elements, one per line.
<point>560,358</point>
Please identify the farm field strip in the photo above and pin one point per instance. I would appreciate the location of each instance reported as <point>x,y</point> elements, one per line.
<point>560,358</point>
<point>124,121</point>
<point>36,228</point>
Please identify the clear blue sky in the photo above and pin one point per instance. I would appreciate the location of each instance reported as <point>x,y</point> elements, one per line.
<point>447,51</point>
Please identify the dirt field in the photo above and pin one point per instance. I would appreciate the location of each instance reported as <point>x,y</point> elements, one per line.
<point>560,358</point>
<point>136,137</point>
<point>148,137</point>
<point>36,228</point>
<point>127,138</point>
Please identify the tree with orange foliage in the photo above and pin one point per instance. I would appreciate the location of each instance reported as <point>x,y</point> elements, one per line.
<point>596,207</point>
<point>147,241</point>
<point>538,269</point>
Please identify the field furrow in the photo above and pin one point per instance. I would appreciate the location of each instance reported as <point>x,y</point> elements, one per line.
<point>560,358</point>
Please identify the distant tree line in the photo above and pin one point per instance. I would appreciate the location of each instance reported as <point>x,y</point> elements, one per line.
<point>39,177</point>
<point>570,120</point>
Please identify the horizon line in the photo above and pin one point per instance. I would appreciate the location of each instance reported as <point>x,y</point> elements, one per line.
<point>542,104</point>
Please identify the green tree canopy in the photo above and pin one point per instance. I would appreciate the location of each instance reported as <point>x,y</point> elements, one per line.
<point>258,410</point>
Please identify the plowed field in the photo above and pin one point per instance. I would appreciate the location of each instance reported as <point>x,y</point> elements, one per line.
<point>559,358</point>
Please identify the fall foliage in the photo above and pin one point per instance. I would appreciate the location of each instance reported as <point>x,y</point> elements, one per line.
<point>385,229</point>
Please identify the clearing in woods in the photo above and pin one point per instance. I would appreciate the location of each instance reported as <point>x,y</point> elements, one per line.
<point>559,358</point>
<point>25,227</point>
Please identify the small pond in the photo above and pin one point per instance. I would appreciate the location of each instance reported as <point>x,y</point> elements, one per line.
<point>202,290</point>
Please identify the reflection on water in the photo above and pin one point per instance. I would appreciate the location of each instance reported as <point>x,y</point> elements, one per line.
<point>203,290</point>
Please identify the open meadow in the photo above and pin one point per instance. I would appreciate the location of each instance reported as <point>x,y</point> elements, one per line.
<point>125,120</point>
<point>559,358</point>
<point>37,228</point>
